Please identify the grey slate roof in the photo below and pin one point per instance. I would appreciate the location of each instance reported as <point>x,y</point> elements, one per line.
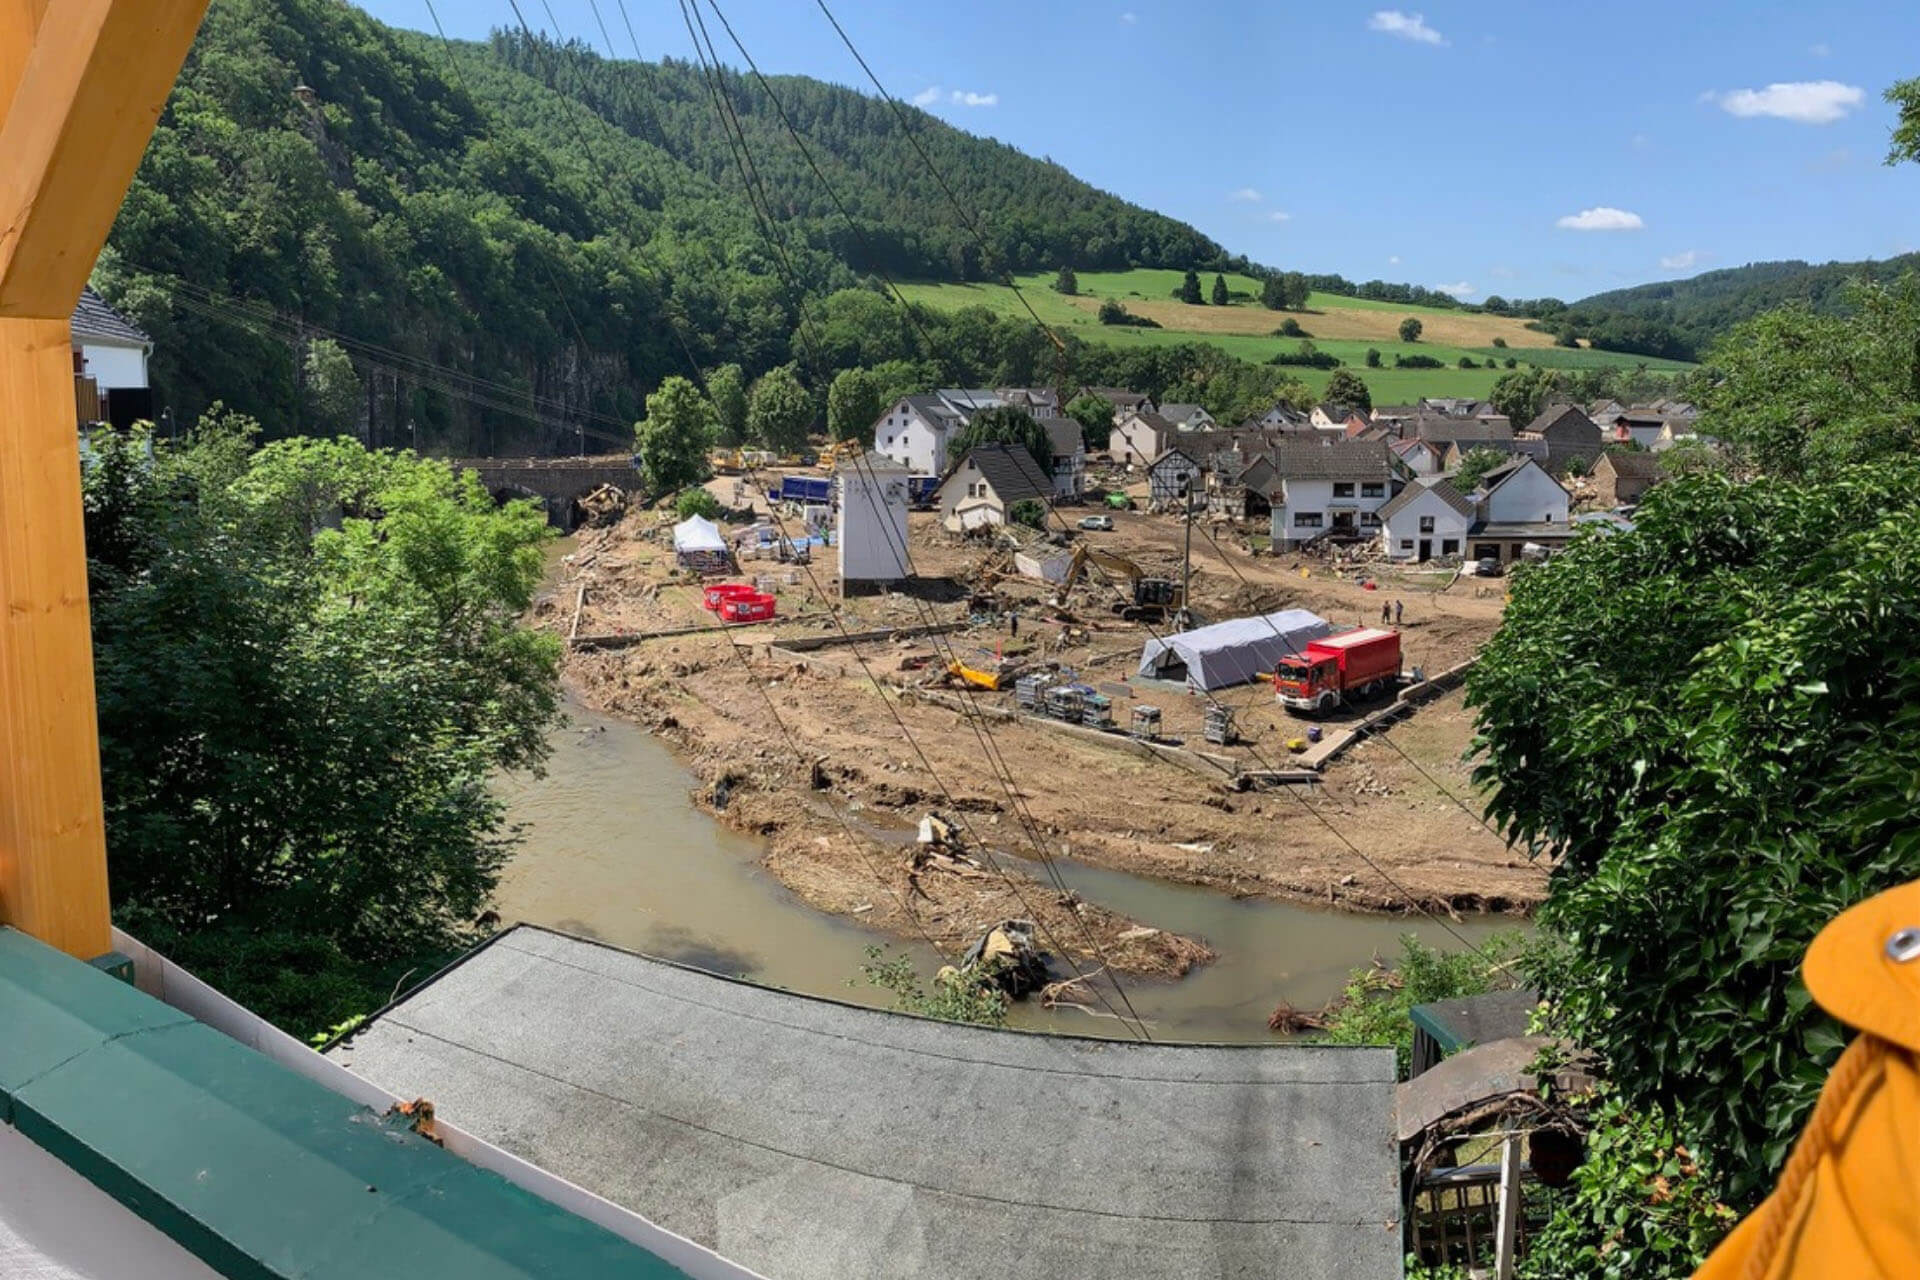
<point>95,321</point>
<point>1010,470</point>
<point>1640,466</point>
<point>1118,397</point>
<point>1065,435</point>
<point>1330,459</point>
<point>1445,430</point>
<point>1179,412</point>
<point>807,1139</point>
<point>1439,486</point>
<point>934,409</point>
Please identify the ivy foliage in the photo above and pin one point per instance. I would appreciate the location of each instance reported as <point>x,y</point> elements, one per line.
<point>1712,724</point>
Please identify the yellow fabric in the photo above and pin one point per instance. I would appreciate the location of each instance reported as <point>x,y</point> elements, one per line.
<point>1847,1206</point>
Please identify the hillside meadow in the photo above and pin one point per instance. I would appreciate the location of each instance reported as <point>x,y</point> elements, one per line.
<point>1343,327</point>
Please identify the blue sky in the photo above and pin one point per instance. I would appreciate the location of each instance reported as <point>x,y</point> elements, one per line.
<point>1519,147</point>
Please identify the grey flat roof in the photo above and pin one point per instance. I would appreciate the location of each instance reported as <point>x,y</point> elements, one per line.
<point>805,1138</point>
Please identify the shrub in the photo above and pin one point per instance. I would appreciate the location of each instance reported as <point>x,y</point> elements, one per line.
<point>1373,357</point>
<point>1376,1005</point>
<point>1418,362</point>
<point>1290,328</point>
<point>697,502</point>
<point>1028,512</point>
<point>1499,342</point>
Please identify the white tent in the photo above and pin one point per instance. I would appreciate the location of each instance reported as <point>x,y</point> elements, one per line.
<point>697,533</point>
<point>1233,652</point>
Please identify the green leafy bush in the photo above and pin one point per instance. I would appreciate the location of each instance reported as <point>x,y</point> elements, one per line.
<point>1376,1004</point>
<point>697,502</point>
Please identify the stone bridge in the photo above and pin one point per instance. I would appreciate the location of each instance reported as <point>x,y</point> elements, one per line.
<point>559,483</point>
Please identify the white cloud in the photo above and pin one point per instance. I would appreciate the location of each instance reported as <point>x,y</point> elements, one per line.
<point>1279,215</point>
<point>1803,102</point>
<point>1407,26</point>
<point>1682,261</point>
<point>1461,290</point>
<point>970,99</point>
<point>1821,50</point>
<point>1246,195</point>
<point>1603,218</point>
<point>927,96</point>
<point>1393,259</point>
<point>1129,18</point>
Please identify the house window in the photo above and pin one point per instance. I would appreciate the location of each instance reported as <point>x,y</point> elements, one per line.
<point>1486,551</point>
<point>1373,490</point>
<point>1306,519</point>
<point>1449,546</point>
<point>1426,524</point>
<point>1370,519</point>
<point>1406,544</point>
<point>1343,489</point>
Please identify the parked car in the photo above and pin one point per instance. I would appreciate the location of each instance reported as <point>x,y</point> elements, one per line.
<point>1103,524</point>
<point>1487,567</point>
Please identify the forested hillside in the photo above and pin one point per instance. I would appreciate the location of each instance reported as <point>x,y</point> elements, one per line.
<point>1694,312</point>
<point>458,209</point>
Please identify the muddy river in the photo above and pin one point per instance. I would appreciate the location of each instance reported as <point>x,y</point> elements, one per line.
<point>616,851</point>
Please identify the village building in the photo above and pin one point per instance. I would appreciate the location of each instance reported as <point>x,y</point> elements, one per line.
<point>1569,434</point>
<point>1428,518</point>
<point>1337,417</point>
<point>985,485</point>
<point>1139,437</point>
<point>1622,477</point>
<point>1639,426</point>
<point>1417,457</point>
<point>109,365</point>
<point>1172,476</point>
<point>1284,417</point>
<point>1069,457</point>
<point>915,432</point>
<point>871,516</point>
<point>1329,487</point>
<point>1441,430</point>
<point>1246,493</point>
<point>1518,503</point>
<point>1187,417</point>
<point>1039,402</point>
<point>1122,400</point>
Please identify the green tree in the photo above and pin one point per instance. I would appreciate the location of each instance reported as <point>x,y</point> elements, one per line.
<point>727,389</point>
<point>1373,357</point>
<point>672,441</point>
<point>1803,394</point>
<point>1410,329</point>
<point>1189,291</point>
<point>1003,425</point>
<point>853,404</point>
<point>780,411</point>
<point>308,664</point>
<point>1905,97</point>
<point>1028,512</point>
<point>1066,282</point>
<point>1349,388</point>
<point>1295,290</point>
<point>1220,295</point>
<point>1712,804</point>
<point>333,388</point>
<point>1522,394</point>
<point>698,502</point>
<point>1273,294</point>
<point>1474,465</point>
<point>1095,417</point>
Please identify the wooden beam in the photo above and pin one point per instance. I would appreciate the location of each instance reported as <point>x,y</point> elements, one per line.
<point>53,852</point>
<point>19,24</point>
<point>89,92</point>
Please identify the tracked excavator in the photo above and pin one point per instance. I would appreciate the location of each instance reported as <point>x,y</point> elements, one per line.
<point>1151,599</point>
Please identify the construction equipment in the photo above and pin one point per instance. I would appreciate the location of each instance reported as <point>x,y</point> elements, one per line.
<point>980,677</point>
<point>840,451</point>
<point>725,462</point>
<point>1152,599</point>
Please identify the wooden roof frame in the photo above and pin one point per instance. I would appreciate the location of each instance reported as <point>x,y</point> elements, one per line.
<point>82,83</point>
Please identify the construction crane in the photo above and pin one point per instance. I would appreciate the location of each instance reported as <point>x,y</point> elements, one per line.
<point>1151,599</point>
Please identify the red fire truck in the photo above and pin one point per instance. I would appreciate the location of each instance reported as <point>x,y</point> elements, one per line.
<point>1336,668</point>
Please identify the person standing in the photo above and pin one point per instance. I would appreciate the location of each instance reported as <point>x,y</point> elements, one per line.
<point>1013,624</point>
<point>1386,613</point>
<point>1399,610</point>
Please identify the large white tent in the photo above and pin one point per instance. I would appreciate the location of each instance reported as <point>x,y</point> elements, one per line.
<point>1232,652</point>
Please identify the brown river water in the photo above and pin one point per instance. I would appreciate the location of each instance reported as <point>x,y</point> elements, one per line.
<point>616,851</point>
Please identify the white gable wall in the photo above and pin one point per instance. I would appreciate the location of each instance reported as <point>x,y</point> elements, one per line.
<point>1528,496</point>
<point>1426,519</point>
<point>905,435</point>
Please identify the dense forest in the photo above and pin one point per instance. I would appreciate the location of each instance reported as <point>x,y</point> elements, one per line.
<point>513,242</point>
<point>1682,318</point>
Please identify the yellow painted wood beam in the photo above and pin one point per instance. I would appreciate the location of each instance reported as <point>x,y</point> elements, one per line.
<point>81,84</point>
<point>53,850</point>
<point>89,91</point>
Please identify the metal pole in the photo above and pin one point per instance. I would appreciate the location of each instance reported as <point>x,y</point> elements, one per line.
<point>1508,1220</point>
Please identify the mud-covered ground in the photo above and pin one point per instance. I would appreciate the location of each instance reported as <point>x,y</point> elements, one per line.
<point>831,756</point>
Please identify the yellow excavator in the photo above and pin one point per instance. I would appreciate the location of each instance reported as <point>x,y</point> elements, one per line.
<point>840,451</point>
<point>1151,599</point>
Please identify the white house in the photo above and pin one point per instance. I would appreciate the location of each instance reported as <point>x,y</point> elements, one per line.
<point>1069,457</point>
<point>987,483</point>
<point>1187,417</point>
<point>1140,436</point>
<point>1517,503</point>
<point>110,354</point>
<point>915,431</point>
<point>872,528</point>
<point>1328,485</point>
<point>1284,417</point>
<point>1336,417</point>
<point>1418,457</point>
<point>1428,518</point>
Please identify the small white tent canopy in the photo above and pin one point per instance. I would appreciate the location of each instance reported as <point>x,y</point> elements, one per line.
<point>697,533</point>
<point>1233,652</point>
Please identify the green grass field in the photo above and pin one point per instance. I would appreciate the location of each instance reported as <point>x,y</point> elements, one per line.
<point>1344,327</point>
